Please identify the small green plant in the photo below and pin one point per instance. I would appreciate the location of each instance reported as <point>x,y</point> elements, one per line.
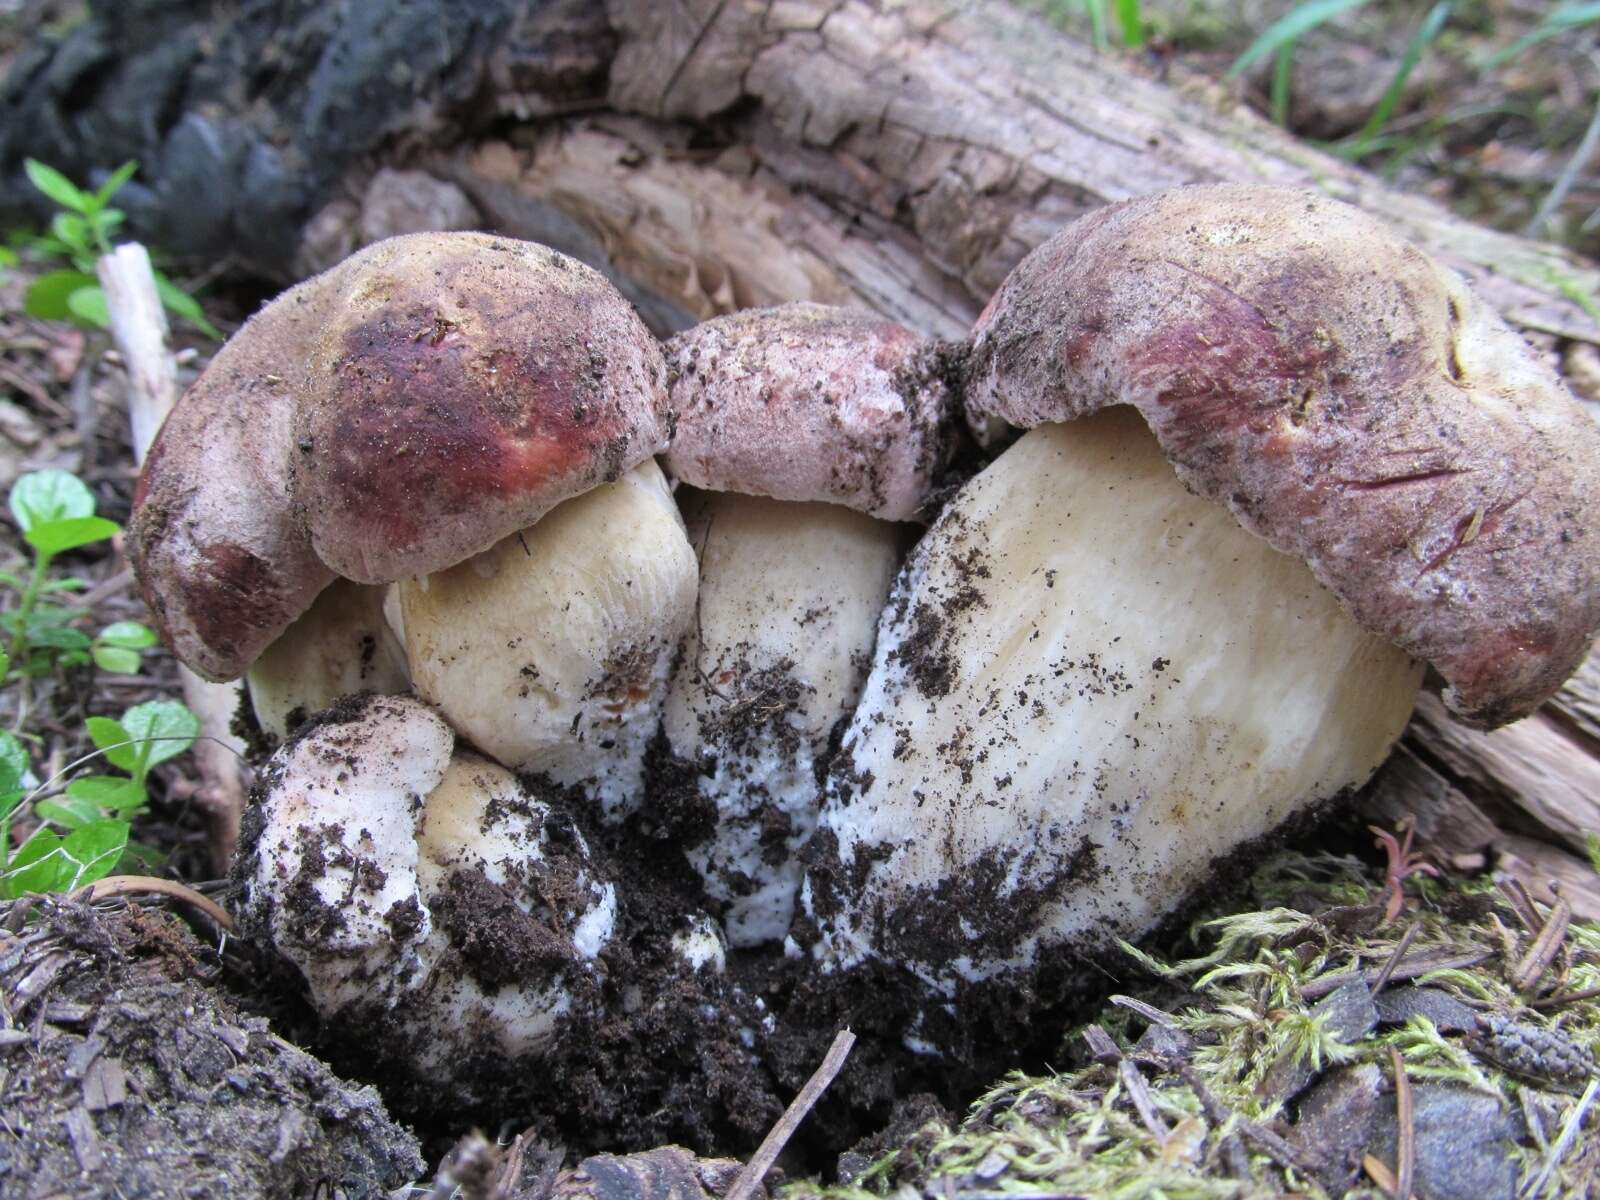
<point>79,234</point>
<point>82,830</point>
<point>1279,39</point>
<point>1128,13</point>
<point>55,512</point>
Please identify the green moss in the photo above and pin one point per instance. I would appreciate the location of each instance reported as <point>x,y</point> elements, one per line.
<point>1244,1006</point>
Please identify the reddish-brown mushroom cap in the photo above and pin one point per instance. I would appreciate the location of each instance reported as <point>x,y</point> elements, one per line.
<point>809,402</point>
<point>407,409</point>
<point>1347,398</point>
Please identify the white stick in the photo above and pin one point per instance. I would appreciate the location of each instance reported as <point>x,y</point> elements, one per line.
<point>139,328</point>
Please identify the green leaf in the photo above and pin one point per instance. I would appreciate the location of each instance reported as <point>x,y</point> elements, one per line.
<point>8,257</point>
<point>8,805</point>
<point>114,182</point>
<point>1133,35</point>
<point>47,863</point>
<point>46,298</point>
<point>111,737</point>
<point>13,762</point>
<point>88,305</point>
<point>168,727</point>
<point>115,660</point>
<point>1591,843</point>
<point>138,858</point>
<point>69,812</point>
<point>53,537</point>
<point>74,232</point>
<point>111,793</point>
<point>185,305</point>
<point>131,635</point>
<point>57,186</point>
<point>1301,19</point>
<point>5,662</point>
<point>49,495</point>
<point>37,866</point>
<point>95,849</point>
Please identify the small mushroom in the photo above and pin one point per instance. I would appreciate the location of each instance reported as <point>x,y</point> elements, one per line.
<point>810,402</point>
<point>551,649</point>
<point>788,606</point>
<point>421,890</point>
<point>791,414</point>
<point>1091,683</point>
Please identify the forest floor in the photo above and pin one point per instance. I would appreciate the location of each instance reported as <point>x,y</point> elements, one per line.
<point>1492,141</point>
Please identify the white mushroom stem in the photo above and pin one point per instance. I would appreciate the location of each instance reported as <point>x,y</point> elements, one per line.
<point>790,595</point>
<point>550,651</point>
<point>340,646</point>
<point>334,879</point>
<point>1089,686</point>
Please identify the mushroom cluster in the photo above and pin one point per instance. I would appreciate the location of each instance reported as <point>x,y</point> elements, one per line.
<point>512,580</point>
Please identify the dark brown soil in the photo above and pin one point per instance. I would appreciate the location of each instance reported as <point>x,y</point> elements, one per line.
<point>128,1071</point>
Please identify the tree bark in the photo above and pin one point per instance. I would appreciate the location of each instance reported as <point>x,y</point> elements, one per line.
<point>711,155</point>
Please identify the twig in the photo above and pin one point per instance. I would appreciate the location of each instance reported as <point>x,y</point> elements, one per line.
<point>134,885</point>
<point>1563,1143</point>
<point>1565,998</point>
<point>1143,1102</point>
<point>772,1145</point>
<point>1569,175</point>
<point>1149,1012</point>
<point>1405,1112</point>
<point>1218,1114</point>
<point>1394,959</point>
<point>1324,984</point>
<point>139,327</point>
<point>1521,903</point>
<point>1545,947</point>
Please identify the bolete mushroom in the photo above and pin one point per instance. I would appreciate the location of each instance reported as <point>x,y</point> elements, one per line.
<point>792,414</point>
<point>398,414</point>
<point>1091,683</point>
<point>419,888</point>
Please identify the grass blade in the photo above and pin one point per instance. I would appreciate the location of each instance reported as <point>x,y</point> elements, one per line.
<point>1568,16</point>
<point>1282,68</point>
<point>1426,32</point>
<point>1128,17</point>
<point>1301,19</point>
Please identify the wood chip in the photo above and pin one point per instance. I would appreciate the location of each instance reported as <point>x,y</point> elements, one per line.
<point>106,1085</point>
<point>85,1141</point>
<point>1101,1046</point>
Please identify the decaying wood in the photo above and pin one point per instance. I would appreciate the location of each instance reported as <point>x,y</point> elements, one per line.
<point>139,328</point>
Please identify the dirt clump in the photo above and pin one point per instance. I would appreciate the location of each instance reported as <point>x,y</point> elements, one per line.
<point>128,1072</point>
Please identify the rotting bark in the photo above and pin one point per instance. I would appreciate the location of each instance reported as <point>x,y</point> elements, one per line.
<point>716,154</point>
